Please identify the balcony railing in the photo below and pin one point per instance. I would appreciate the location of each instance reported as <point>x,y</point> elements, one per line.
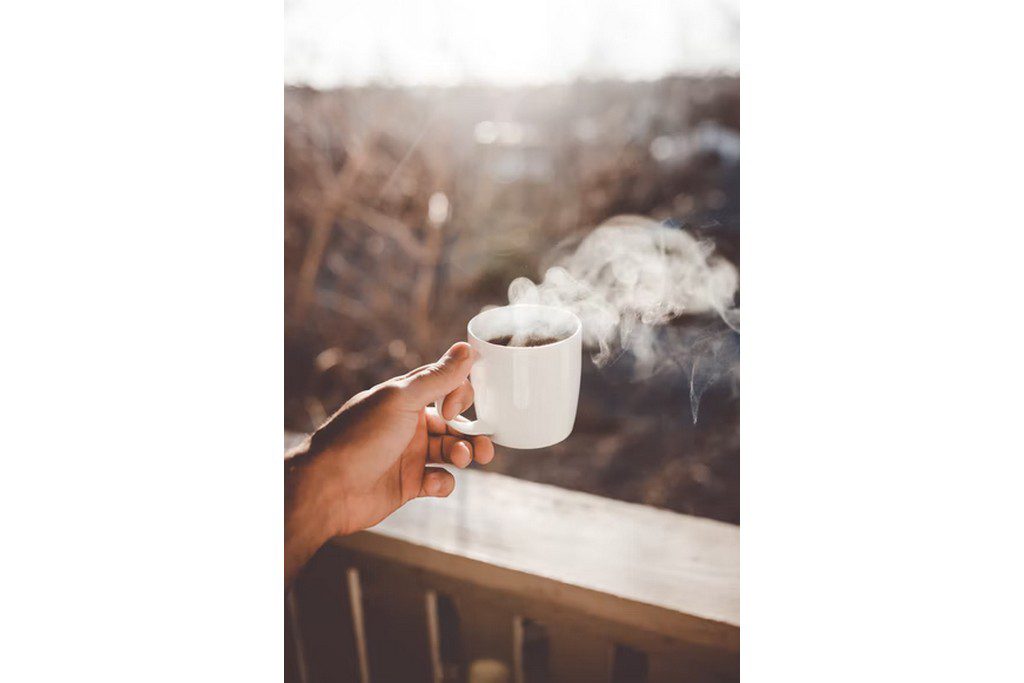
<point>509,580</point>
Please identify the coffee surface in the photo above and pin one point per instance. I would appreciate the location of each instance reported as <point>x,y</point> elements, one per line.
<point>524,340</point>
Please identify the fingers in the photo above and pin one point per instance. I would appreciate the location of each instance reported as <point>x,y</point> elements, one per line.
<point>457,451</point>
<point>460,450</point>
<point>458,400</point>
<point>425,384</point>
<point>437,483</point>
<point>443,444</point>
<point>450,449</point>
<point>483,449</point>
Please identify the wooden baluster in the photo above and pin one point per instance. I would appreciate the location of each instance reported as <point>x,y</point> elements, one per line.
<point>437,662</point>
<point>355,599</point>
<point>294,656</point>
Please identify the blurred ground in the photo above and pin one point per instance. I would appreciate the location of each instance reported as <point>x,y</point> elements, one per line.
<point>407,210</point>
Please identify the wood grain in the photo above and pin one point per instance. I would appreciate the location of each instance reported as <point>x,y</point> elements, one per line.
<point>651,577</point>
<point>631,564</point>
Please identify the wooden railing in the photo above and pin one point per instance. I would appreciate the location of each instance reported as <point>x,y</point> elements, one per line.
<point>509,580</point>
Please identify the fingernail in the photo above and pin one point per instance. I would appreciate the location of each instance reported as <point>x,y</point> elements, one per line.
<point>457,408</point>
<point>459,352</point>
<point>434,486</point>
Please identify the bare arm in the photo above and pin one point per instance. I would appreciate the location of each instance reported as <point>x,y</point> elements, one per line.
<point>307,521</point>
<point>372,456</point>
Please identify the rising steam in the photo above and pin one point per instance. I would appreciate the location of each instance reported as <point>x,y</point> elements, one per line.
<point>628,281</point>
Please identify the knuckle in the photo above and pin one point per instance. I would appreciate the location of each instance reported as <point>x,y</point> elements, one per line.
<point>391,391</point>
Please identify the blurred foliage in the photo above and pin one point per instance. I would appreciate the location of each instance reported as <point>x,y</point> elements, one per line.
<point>407,210</point>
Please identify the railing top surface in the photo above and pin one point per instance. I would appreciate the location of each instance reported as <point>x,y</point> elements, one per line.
<point>676,564</point>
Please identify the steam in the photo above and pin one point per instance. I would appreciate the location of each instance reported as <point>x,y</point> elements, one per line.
<point>629,281</point>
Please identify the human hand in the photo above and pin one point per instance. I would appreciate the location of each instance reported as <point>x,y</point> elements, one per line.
<point>371,456</point>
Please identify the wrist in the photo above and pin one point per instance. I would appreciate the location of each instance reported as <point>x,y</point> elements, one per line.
<point>309,504</point>
<point>320,485</point>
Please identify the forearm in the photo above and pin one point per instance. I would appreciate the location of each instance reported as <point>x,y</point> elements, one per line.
<point>308,522</point>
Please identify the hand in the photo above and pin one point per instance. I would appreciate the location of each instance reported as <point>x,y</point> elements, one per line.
<point>371,456</point>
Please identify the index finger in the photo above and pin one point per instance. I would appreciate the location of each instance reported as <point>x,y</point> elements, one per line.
<point>457,401</point>
<point>424,384</point>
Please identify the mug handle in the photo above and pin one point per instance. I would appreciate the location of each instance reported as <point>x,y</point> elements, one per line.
<point>463,425</point>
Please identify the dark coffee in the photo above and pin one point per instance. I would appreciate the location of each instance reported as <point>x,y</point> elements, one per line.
<point>507,340</point>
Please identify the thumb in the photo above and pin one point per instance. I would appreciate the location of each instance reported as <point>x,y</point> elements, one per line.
<point>438,379</point>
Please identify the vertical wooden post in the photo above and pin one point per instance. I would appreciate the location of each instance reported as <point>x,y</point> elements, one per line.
<point>517,649</point>
<point>434,636</point>
<point>296,631</point>
<point>355,593</point>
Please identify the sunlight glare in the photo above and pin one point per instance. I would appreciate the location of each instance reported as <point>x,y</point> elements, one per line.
<point>445,42</point>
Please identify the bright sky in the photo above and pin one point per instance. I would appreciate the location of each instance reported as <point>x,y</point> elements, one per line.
<point>442,42</point>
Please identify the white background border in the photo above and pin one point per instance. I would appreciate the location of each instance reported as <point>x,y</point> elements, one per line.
<point>142,357</point>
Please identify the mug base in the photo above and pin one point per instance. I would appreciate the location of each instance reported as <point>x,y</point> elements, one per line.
<point>526,445</point>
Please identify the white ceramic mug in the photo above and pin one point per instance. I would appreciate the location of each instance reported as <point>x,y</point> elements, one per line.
<point>525,396</point>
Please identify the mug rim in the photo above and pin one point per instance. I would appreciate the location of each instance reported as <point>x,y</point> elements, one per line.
<point>576,332</point>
